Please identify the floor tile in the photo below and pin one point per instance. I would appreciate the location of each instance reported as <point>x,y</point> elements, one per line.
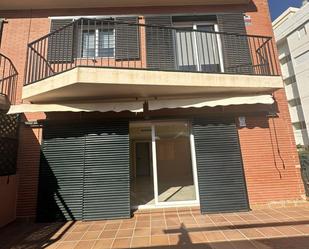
<point>121,243</point>
<point>103,244</point>
<point>159,240</point>
<point>140,242</point>
<point>84,245</point>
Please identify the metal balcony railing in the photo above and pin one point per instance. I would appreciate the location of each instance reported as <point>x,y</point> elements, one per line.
<point>8,78</point>
<point>111,44</point>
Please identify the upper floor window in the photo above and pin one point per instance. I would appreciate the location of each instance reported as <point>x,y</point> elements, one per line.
<point>285,59</point>
<point>302,31</point>
<point>290,80</point>
<point>98,43</point>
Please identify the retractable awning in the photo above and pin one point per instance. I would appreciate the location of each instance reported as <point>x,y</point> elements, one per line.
<point>209,102</point>
<point>136,106</point>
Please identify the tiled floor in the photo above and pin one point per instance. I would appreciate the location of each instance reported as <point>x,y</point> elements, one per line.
<point>286,228</point>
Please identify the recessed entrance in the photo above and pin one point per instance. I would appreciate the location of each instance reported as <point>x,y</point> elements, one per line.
<point>162,172</point>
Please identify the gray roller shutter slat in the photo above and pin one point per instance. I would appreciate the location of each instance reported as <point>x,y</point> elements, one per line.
<point>236,52</point>
<point>219,164</point>
<point>127,39</point>
<point>107,186</point>
<point>61,174</point>
<point>160,43</point>
<point>60,44</point>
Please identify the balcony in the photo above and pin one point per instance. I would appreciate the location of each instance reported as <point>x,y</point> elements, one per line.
<point>95,59</point>
<point>57,4</point>
<point>8,82</point>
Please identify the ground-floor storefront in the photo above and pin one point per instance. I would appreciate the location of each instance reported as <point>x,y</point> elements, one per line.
<point>94,166</point>
<point>105,170</point>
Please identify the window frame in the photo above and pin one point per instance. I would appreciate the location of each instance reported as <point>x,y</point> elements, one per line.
<point>96,41</point>
<point>194,26</point>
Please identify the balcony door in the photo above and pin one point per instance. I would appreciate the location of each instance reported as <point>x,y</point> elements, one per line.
<point>198,48</point>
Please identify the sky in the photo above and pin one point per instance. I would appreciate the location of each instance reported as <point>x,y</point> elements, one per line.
<point>279,6</point>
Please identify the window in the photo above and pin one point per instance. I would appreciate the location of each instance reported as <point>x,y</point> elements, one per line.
<point>304,57</point>
<point>285,59</point>
<point>290,80</point>
<point>98,43</point>
<point>302,32</point>
<point>200,50</point>
<point>294,102</point>
<point>299,125</point>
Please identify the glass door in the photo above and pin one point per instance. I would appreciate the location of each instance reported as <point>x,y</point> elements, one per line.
<point>198,48</point>
<point>174,175</point>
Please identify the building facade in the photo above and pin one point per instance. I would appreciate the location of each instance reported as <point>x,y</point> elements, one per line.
<point>291,33</point>
<point>153,104</point>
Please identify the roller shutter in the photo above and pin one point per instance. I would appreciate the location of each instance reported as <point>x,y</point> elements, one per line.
<point>160,44</point>
<point>236,52</point>
<point>127,39</point>
<point>60,43</point>
<point>106,181</point>
<point>84,172</point>
<point>219,164</point>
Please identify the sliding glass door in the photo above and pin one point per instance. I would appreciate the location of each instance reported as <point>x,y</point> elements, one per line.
<point>175,181</point>
<point>163,169</point>
<point>198,48</point>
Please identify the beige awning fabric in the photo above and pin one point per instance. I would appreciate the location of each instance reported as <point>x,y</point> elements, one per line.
<point>136,106</point>
<point>209,102</point>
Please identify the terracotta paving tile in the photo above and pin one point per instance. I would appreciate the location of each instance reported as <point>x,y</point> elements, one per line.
<point>84,244</point>
<point>140,242</point>
<point>141,232</point>
<point>289,231</point>
<point>158,223</point>
<point>188,221</point>
<point>218,218</point>
<point>251,233</point>
<point>96,227</point>
<point>302,228</point>
<point>103,244</point>
<point>174,239</point>
<point>157,231</point>
<point>91,235</point>
<point>73,236</point>
<point>81,228</point>
<point>124,233</point>
<point>214,236</point>
<point>121,243</point>
<point>244,244</point>
<point>109,234</point>
<point>112,226</point>
<point>221,245</point>
<point>127,225</point>
<point>160,240</point>
<point>233,235</point>
<point>197,237</point>
<point>142,224</point>
<point>66,245</point>
<point>269,232</point>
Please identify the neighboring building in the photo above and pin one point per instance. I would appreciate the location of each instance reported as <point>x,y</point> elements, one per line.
<point>134,104</point>
<point>292,37</point>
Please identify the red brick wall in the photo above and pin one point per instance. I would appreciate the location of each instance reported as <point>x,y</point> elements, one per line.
<point>259,147</point>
